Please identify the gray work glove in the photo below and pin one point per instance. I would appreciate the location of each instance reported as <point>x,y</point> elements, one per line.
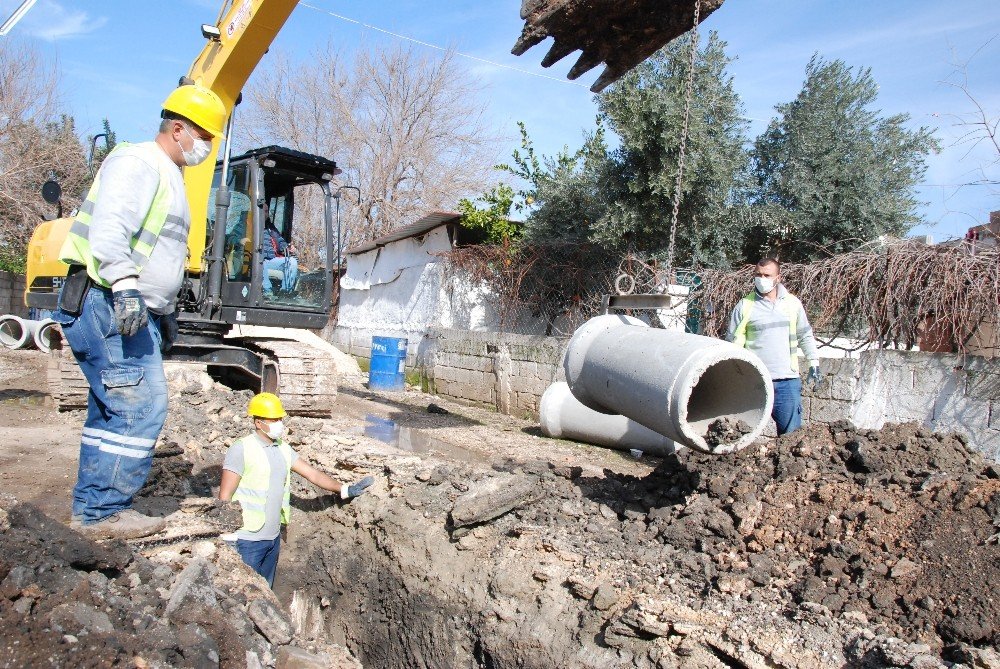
<point>813,377</point>
<point>130,311</point>
<point>355,489</point>
<point>168,331</point>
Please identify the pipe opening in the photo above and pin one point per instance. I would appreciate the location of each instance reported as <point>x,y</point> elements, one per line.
<point>47,336</point>
<point>731,389</point>
<point>13,333</point>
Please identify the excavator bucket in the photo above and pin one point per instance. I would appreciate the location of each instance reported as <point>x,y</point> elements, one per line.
<point>619,33</point>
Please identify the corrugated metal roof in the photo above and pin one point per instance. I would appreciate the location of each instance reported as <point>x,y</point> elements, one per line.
<point>421,227</point>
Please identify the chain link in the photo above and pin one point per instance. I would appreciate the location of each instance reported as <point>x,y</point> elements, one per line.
<point>683,144</point>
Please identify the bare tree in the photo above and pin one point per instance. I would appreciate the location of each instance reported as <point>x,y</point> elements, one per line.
<point>977,129</point>
<point>406,127</point>
<point>37,143</point>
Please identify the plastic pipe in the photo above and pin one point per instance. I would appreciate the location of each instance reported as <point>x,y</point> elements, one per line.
<point>673,383</point>
<point>47,335</point>
<point>563,416</point>
<point>17,332</point>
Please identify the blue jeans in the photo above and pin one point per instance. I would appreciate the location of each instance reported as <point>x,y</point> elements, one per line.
<point>261,556</point>
<point>289,268</point>
<point>787,410</point>
<point>126,407</point>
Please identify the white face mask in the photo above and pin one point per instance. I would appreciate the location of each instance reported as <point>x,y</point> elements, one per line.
<point>763,284</point>
<point>276,429</point>
<point>199,150</point>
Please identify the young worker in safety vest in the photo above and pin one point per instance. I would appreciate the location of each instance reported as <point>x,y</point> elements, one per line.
<point>126,250</point>
<point>771,322</point>
<point>257,474</point>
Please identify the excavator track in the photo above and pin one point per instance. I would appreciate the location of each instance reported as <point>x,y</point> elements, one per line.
<point>67,385</point>
<point>307,376</point>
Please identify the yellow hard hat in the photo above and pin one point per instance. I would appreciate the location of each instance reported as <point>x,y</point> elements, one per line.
<point>266,405</point>
<point>199,104</point>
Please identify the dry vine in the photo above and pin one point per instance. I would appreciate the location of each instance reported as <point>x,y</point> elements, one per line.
<point>888,296</point>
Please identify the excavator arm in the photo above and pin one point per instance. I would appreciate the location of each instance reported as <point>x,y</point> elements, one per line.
<point>242,35</point>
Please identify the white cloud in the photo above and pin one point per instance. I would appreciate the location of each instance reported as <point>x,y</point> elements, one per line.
<point>51,21</point>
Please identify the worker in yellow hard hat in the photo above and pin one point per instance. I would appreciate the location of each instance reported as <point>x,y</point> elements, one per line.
<point>257,474</point>
<point>127,248</point>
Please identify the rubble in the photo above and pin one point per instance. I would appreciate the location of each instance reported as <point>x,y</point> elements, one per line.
<point>829,547</point>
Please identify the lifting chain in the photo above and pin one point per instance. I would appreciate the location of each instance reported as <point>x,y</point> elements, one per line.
<point>683,144</point>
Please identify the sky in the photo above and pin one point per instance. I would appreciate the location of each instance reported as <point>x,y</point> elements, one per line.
<point>119,58</point>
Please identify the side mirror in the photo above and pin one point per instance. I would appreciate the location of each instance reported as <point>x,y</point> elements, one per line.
<point>51,191</point>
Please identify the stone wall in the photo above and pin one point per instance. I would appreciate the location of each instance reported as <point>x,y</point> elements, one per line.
<point>12,295</point>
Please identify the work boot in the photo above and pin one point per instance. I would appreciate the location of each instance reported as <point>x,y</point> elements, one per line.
<point>127,524</point>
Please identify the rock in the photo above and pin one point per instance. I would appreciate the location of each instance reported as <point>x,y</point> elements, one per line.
<point>192,589</point>
<point>568,472</point>
<point>271,621</point>
<point>977,658</point>
<point>904,568</point>
<point>604,598</point>
<point>199,649</point>
<point>581,587</point>
<point>65,544</point>
<point>492,498</point>
<point>423,475</point>
<point>78,618</point>
<point>293,657</point>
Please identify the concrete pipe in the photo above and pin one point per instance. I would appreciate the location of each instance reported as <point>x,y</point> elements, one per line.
<point>677,384</point>
<point>47,335</point>
<point>17,332</point>
<point>563,416</point>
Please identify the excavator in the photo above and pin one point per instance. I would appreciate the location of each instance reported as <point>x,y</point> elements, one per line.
<point>232,198</point>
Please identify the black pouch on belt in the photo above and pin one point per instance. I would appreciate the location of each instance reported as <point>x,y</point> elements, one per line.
<point>74,290</point>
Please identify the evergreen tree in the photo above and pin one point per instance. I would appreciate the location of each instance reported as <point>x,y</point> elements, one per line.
<point>646,110</point>
<point>831,173</point>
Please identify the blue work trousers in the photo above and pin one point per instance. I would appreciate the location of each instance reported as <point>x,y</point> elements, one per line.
<point>126,407</point>
<point>289,268</point>
<point>787,410</point>
<point>261,556</point>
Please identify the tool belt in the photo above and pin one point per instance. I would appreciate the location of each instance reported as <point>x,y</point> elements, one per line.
<point>74,290</point>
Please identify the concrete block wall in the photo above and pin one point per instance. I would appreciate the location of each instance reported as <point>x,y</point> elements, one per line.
<point>507,372</point>
<point>943,391</point>
<point>12,295</point>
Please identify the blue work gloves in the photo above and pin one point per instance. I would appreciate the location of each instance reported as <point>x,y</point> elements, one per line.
<point>355,489</point>
<point>168,331</point>
<point>813,377</point>
<point>130,311</point>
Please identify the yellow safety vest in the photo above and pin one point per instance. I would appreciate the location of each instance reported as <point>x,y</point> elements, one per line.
<point>744,335</point>
<point>251,493</point>
<point>76,249</point>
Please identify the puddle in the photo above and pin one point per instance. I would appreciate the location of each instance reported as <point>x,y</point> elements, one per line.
<point>32,400</point>
<point>412,440</point>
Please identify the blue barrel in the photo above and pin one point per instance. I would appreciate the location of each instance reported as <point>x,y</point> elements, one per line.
<point>388,361</point>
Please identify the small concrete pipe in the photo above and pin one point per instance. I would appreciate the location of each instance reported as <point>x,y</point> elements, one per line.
<point>563,416</point>
<point>16,332</point>
<point>47,335</point>
<point>673,383</point>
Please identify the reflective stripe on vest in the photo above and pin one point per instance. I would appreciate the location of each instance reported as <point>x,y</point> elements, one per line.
<point>251,493</point>
<point>742,335</point>
<point>158,221</point>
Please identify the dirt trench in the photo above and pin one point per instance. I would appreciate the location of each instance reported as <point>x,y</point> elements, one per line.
<point>485,545</point>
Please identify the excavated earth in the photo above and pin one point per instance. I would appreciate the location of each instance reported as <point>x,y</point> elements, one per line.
<point>483,544</point>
